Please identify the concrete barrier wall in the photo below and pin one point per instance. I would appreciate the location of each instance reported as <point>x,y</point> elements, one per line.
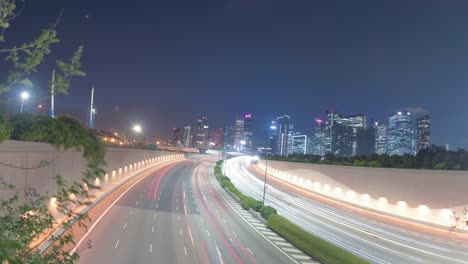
<point>19,161</point>
<point>426,195</point>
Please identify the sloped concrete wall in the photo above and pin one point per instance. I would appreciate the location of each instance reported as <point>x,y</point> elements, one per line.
<point>19,161</point>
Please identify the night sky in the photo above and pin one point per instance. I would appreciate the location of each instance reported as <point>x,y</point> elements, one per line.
<point>161,63</point>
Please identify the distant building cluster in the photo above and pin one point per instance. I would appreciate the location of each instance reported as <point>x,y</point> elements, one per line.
<point>235,137</point>
<point>350,135</point>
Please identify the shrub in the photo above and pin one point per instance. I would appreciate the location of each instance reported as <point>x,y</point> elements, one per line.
<point>315,247</point>
<point>267,211</point>
<point>257,206</point>
<point>248,202</point>
<point>5,128</point>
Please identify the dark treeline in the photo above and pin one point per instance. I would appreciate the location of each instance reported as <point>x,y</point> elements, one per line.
<point>434,157</point>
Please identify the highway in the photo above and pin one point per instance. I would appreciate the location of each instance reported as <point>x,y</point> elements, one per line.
<point>176,215</point>
<point>368,238</point>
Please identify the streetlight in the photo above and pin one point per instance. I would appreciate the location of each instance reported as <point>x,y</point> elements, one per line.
<point>24,96</point>
<point>137,129</point>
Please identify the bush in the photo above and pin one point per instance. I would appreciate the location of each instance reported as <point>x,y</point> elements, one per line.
<point>248,202</point>
<point>315,247</point>
<point>5,128</point>
<point>257,206</point>
<point>267,211</point>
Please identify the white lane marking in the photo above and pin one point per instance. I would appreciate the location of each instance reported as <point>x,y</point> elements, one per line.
<point>282,244</point>
<point>185,249</point>
<point>125,225</point>
<point>154,216</point>
<point>250,251</point>
<point>151,247</point>
<point>180,231</point>
<point>202,220</point>
<point>177,208</point>
<point>152,229</point>
<point>136,204</point>
<point>117,244</point>
<point>219,255</point>
<point>234,233</point>
<point>208,233</point>
<point>224,221</point>
<point>178,217</point>
<point>131,213</point>
<point>191,238</point>
<point>300,256</point>
<point>293,250</point>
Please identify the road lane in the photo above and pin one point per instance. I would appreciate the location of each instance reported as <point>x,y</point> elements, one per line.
<point>175,215</point>
<point>376,242</point>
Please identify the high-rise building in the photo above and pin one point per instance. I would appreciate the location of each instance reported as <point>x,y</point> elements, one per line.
<point>273,137</point>
<point>229,137</point>
<point>423,126</point>
<point>299,144</point>
<point>399,134</point>
<point>239,140</point>
<point>175,137</point>
<point>356,122</point>
<point>248,133</point>
<point>200,138</point>
<point>186,138</point>
<point>283,128</point>
<point>340,137</point>
<point>365,142</point>
<point>318,138</point>
<point>380,138</point>
<point>217,138</point>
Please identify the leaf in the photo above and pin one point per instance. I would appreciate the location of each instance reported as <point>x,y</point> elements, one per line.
<point>26,82</point>
<point>79,73</point>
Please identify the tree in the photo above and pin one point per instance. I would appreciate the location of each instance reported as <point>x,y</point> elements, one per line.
<point>26,214</point>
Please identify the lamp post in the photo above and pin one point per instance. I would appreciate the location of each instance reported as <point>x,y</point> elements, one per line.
<point>137,129</point>
<point>265,180</point>
<point>24,96</point>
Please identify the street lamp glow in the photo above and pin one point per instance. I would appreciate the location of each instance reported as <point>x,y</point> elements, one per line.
<point>24,96</point>
<point>137,128</point>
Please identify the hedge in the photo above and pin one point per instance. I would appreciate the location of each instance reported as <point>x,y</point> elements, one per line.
<point>316,247</point>
<point>267,211</point>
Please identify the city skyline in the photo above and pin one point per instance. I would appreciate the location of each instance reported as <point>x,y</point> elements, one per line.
<point>321,58</point>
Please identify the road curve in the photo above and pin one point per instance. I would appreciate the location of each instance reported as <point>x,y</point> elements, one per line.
<point>176,215</point>
<point>369,239</point>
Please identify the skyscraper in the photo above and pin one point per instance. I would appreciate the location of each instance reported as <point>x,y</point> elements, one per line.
<point>356,122</point>
<point>423,126</point>
<point>273,137</point>
<point>186,138</point>
<point>200,138</point>
<point>239,140</point>
<point>365,140</point>
<point>340,138</point>
<point>248,132</point>
<point>299,144</point>
<point>399,134</point>
<point>283,128</point>
<point>380,138</point>
<point>229,137</point>
<point>217,138</point>
<point>175,137</point>
<point>318,138</point>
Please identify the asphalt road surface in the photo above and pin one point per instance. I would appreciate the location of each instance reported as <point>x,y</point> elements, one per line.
<point>176,215</point>
<point>370,239</point>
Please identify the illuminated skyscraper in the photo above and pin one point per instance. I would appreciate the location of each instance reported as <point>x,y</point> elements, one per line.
<point>273,137</point>
<point>186,138</point>
<point>217,138</point>
<point>399,134</point>
<point>318,138</point>
<point>248,132</point>
<point>283,128</point>
<point>299,144</point>
<point>175,137</point>
<point>380,138</point>
<point>200,138</point>
<point>340,138</point>
<point>423,125</point>
<point>239,141</point>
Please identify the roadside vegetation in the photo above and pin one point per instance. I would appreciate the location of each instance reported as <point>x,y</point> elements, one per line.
<point>435,157</point>
<point>315,247</point>
<point>25,214</point>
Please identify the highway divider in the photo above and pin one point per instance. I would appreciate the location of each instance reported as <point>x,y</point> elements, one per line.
<point>313,246</point>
